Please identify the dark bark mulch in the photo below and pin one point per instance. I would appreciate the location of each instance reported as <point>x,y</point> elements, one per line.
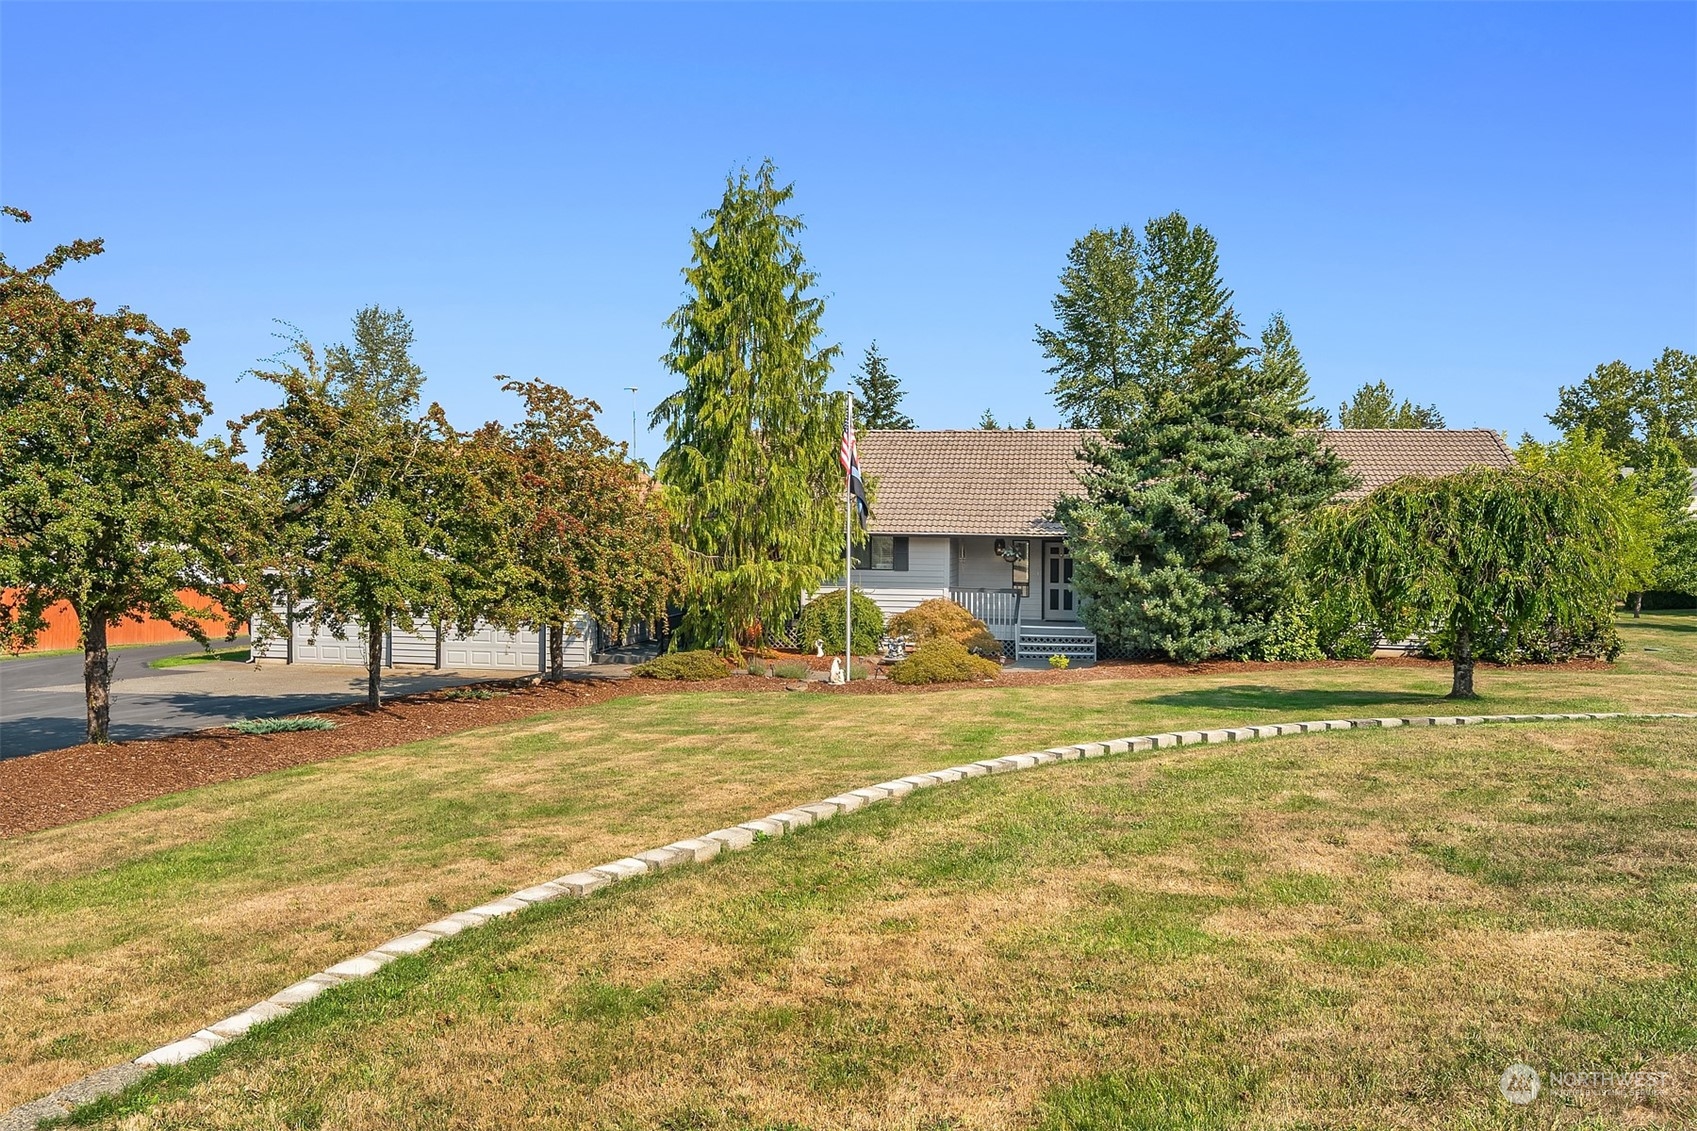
<point>57,787</point>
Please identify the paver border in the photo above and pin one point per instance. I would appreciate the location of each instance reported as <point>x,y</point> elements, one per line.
<point>694,850</point>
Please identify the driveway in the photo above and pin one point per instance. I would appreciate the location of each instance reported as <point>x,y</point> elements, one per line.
<point>42,707</point>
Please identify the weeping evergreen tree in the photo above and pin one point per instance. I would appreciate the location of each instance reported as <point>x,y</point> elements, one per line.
<point>750,466</point>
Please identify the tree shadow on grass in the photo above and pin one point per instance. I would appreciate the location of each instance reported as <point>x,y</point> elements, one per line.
<point>1248,696</point>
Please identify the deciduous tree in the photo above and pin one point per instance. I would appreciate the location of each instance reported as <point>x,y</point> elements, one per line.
<point>1484,555</point>
<point>108,501</point>
<point>750,465</point>
<point>363,539</point>
<point>1626,406</point>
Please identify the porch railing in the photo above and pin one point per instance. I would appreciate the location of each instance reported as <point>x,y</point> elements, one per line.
<point>997,608</point>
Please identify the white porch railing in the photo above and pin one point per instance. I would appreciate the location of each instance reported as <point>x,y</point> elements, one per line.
<point>997,608</point>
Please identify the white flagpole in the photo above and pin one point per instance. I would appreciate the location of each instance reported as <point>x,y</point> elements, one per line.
<point>848,550</point>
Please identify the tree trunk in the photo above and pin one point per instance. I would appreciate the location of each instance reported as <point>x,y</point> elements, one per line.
<point>1461,684</point>
<point>96,677</point>
<point>1638,604</point>
<point>556,651</point>
<point>375,631</point>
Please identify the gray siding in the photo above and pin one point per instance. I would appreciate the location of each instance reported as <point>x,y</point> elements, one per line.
<point>897,591</point>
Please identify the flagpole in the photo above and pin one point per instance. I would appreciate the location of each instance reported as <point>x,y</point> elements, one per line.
<point>848,549</point>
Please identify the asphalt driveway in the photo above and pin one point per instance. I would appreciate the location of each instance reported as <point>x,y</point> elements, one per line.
<point>42,707</point>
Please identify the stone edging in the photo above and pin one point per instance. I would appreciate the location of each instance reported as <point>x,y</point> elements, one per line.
<point>109,1081</point>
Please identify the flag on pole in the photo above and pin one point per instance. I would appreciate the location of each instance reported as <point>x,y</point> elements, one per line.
<point>850,460</point>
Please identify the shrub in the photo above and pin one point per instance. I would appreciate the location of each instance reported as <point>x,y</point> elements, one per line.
<point>1591,638</point>
<point>790,669</point>
<point>940,617</point>
<point>1290,635</point>
<point>279,726</point>
<point>684,665</point>
<point>942,660</point>
<point>822,619</point>
<point>757,666</point>
<point>473,693</point>
<point>1059,663</point>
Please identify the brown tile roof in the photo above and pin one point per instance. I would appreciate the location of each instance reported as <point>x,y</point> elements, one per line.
<point>1003,482</point>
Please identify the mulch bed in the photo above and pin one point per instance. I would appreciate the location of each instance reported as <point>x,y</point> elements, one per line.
<point>57,787</point>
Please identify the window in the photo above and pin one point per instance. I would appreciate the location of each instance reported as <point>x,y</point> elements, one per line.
<point>1022,567</point>
<point>881,551</point>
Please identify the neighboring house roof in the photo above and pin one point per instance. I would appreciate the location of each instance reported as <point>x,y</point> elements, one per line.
<point>1005,481</point>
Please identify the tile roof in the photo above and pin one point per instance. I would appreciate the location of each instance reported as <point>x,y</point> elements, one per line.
<point>1004,482</point>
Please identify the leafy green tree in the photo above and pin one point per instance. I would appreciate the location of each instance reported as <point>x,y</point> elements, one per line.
<point>1375,406</point>
<point>108,501</point>
<point>878,394</point>
<point>1098,309</point>
<point>750,467</point>
<point>1627,406</point>
<point>1483,556</point>
<point>366,488</point>
<point>1183,533</point>
<point>555,523</point>
<point>988,422</point>
<point>1131,311</point>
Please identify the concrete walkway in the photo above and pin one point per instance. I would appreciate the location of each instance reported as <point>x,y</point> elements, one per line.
<point>42,706</point>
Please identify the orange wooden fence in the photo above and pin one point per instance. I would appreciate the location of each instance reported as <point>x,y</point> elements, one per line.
<point>64,631</point>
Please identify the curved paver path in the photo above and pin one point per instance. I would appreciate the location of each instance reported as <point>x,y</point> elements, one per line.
<point>109,1081</point>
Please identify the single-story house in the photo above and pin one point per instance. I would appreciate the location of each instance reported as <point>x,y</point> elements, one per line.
<point>965,515</point>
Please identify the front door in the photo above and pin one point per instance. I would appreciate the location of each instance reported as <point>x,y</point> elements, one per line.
<point>1058,597</point>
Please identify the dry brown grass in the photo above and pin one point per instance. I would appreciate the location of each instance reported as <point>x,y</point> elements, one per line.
<point>124,932</point>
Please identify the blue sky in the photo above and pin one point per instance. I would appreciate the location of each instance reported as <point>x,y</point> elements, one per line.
<point>1475,203</point>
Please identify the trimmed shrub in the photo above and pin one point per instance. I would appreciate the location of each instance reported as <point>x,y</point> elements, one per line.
<point>790,669</point>
<point>822,619</point>
<point>1059,663</point>
<point>280,726</point>
<point>700,664</point>
<point>941,617</point>
<point>942,660</point>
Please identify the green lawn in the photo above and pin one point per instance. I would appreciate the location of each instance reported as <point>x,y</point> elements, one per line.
<point>1358,930</point>
<point>127,931</point>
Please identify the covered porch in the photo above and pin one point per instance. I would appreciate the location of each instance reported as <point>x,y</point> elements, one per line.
<point>1021,588</point>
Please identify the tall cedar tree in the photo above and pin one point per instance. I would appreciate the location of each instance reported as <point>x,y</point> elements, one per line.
<point>1484,555</point>
<point>750,465</point>
<point>366,488</point>
<point>109,503</point>
<point>1375,406</point>
<point>579,528</point>
<point>1627,406</point>
<point>1130,313</point>
<point>1183,534</point>
<point>1282,364</point>
<point>878,394</point>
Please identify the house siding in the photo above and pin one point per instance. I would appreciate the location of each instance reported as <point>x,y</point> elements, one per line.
<point>487,647</point>
<point>897,591</point>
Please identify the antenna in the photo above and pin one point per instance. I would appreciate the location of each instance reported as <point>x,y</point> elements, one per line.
<point>631,389</point>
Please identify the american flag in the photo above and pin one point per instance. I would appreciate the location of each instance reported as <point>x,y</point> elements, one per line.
<point>850,460</point>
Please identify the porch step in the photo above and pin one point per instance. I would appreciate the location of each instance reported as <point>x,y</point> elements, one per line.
<point>1039,642</point>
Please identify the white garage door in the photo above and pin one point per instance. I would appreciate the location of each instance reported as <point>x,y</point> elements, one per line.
<point>489,647</point>
<point>326,649</point>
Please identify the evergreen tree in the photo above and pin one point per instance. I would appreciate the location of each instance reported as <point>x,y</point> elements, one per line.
<point>988,421</point>
<point>1131,313</point>
<point>1183,534</point>
<point>750,465</point>
<point>1281,361</point>
<point>1375,406</point>
<point>879,392</point>
<point>1030,425</point>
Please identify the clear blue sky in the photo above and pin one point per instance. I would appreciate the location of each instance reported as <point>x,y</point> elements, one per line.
<point>1475,203</point>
